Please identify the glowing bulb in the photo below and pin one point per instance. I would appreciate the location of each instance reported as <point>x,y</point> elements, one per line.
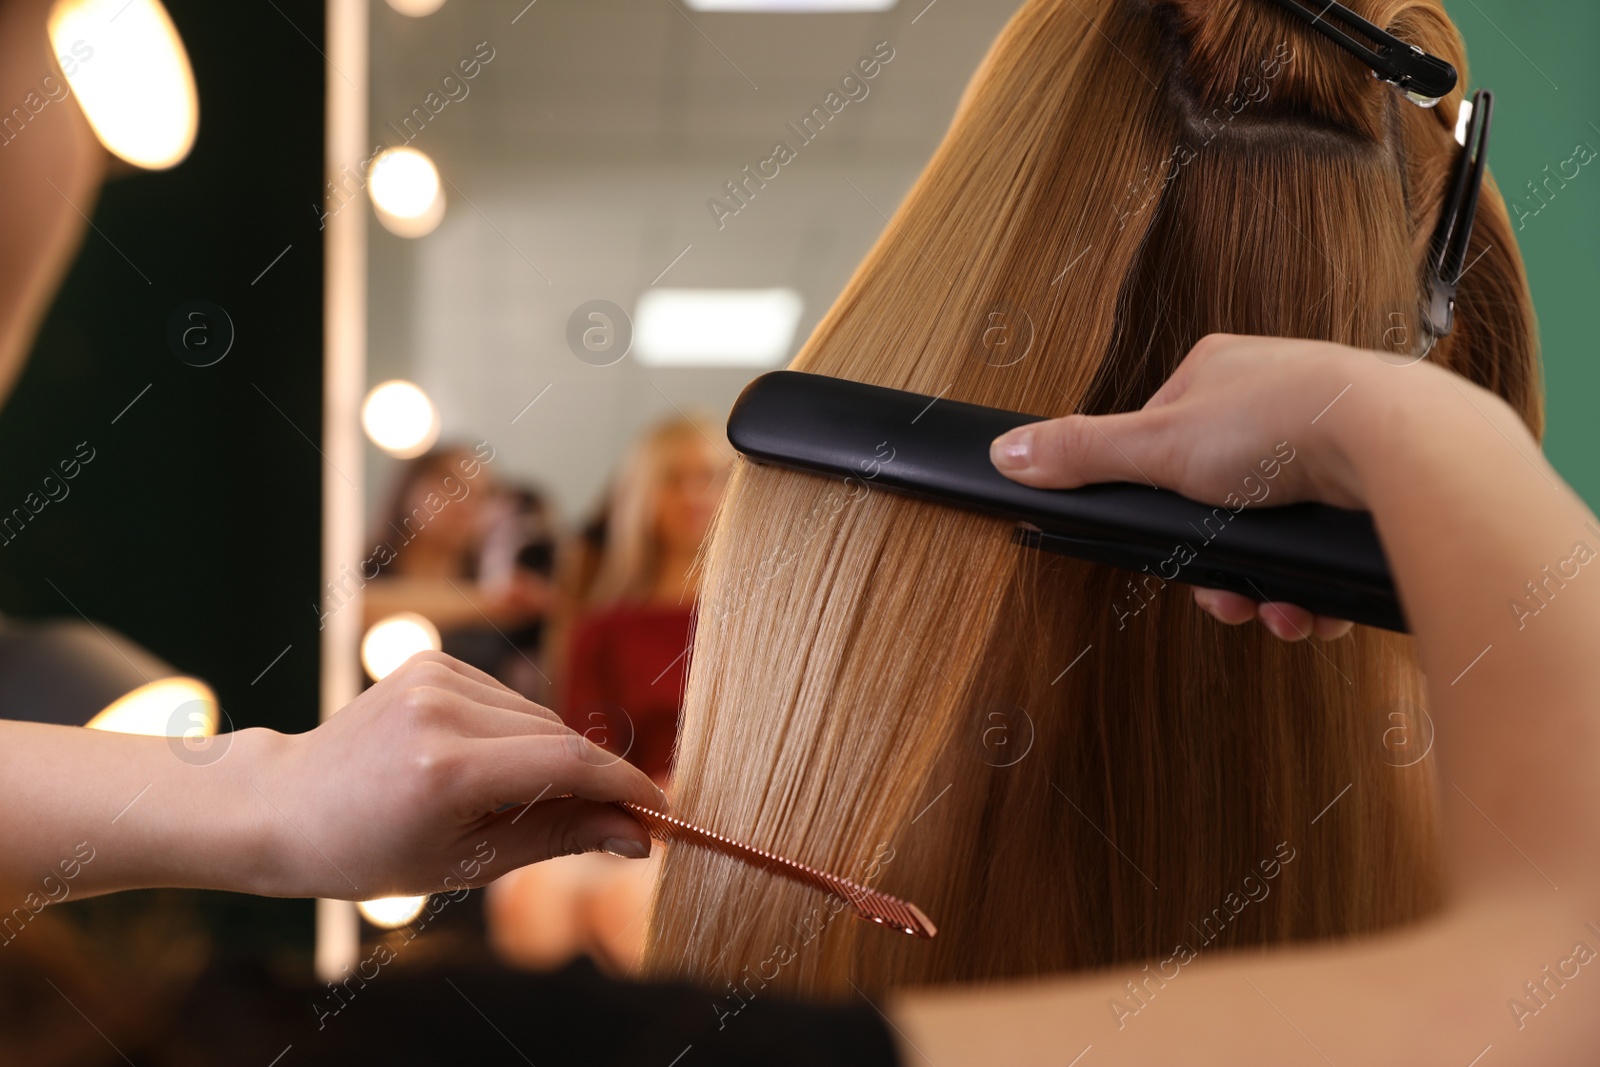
<point>171,707</point>
<point>394,640</point>
<point>126,63</point>
<point>400,419</point>
<point>391,912</point>
<point>404,186</point>
<point>404,182</point>
<point>416,8</point>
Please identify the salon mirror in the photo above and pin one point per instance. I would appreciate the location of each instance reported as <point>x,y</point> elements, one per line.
<point>637,208</point>
<point>553,226</point>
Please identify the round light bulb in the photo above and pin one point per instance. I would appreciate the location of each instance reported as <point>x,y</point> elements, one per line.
<point>126,64</point>
<point>393,640</point>
<point>405,191</point>
<point>391,912</point>
<point>416,8</point>
<point>400,419</point>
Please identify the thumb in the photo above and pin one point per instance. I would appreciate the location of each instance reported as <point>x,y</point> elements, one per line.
<point>1077,450</point>
<point>566,826</point>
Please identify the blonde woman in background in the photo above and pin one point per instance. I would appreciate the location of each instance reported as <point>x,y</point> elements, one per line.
<point>626,660</point>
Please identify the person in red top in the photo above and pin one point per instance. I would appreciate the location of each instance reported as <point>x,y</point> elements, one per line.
<point>626,664</point>
<point>628,657</point>
<point>625,678</point>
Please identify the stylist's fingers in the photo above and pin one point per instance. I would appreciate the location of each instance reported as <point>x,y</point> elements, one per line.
<point>1224,606</point>
<point>465,716</point>
<point>494,772</point>
<point>1153,445</point>
<point>445,672</point>
<point>563,827</point>
<point>1078,450</point>
<point>1227,421</point>
<point>465,670</point>
<point>1284,621</point>
<point>1330,629</point>
<point>1289,622</point>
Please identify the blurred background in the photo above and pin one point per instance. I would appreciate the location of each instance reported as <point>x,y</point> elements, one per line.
<point>580,243</point>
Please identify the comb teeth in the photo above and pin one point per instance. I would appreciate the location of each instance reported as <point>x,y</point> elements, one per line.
<point>868,903</point>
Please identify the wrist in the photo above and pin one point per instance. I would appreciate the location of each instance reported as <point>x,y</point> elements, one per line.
<point>1455,419</point>
<point>246,847</point>
<point>1388,422</point>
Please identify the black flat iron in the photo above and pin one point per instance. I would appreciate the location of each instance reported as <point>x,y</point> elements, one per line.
<point>1325,559</point>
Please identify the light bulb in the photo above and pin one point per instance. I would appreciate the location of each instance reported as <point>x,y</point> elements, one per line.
<point>416,8</point>
<point>391,912</point>
<point>125,62</point>
<point>393,640</point>
<point>400,419</point>
<point>404,186</point>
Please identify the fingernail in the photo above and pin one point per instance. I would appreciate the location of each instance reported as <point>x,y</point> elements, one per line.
<point>1013,451</point>
<point>1279,624</point>
<point>626,847</point>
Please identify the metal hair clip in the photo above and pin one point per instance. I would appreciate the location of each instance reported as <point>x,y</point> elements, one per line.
<point>1424,79</point>
<point>1447,260</point>
<point>870,904</point>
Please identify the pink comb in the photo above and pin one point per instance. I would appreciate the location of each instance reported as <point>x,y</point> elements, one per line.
<point>868,903</point>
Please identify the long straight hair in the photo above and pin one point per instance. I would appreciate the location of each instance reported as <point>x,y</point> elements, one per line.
<point>1066,765</point>
<point>630,565</point>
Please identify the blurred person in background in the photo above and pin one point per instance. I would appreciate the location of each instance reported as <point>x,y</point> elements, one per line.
<point>455,548</point>
<point>577,561</point>
<point>519,549</point>
<point>625,666</point>
<point>623,684</point>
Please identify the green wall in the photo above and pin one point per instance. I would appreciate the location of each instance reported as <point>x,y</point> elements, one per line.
<point>1542,59</point>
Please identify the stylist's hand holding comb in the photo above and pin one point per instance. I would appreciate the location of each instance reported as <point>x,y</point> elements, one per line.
<point>435,779</point>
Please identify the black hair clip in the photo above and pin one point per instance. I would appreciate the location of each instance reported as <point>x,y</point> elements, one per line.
<point>1425,79</point>
<point>1447,260</point>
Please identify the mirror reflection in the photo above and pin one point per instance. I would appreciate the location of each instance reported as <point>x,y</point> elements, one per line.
<point>595,226</point>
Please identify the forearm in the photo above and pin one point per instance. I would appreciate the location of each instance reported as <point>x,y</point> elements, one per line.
<point>89,812</point>
<point>1485,541</point>
<point>1432,995</point>
<point>436,778</point>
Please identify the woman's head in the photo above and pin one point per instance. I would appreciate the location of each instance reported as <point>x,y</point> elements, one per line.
<point>1067,765</point>
<point>437,502</point>
<point>661,506</point>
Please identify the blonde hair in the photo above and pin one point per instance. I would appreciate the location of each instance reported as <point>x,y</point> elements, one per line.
<point>631,559</point>
<point>1120,179</point>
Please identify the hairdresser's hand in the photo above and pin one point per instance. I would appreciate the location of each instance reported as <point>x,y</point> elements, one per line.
<point>523,597</point>
<point>401,792</point>
<point>1238,420</point>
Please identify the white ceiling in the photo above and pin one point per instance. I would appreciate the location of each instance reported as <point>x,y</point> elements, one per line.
<point>579,165</point>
